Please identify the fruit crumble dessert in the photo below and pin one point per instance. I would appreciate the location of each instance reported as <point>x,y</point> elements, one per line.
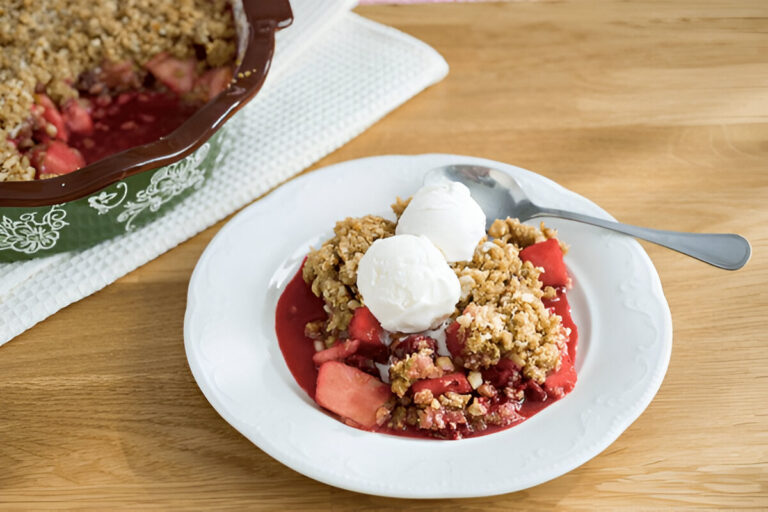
<point>430,325</point>
<point>80,80</point>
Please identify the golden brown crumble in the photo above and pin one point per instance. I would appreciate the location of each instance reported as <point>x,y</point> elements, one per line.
<point>513,231</point>
<point>400,205</point>
<point>416,366</point>
<point>452,400</point>
<point>315,329</point>
<point>448,412</point>
<point>47,45</point>
<point>331,270</point>
<point>500,312</point>
<point>423,397</point>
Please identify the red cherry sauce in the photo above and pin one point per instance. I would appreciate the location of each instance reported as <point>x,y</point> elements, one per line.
<point>130,119</point>
<point>298,305</point>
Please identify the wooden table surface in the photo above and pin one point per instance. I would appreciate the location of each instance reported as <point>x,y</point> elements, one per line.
<point>657,111</point>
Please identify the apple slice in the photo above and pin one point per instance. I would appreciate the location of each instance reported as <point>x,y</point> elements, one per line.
<point>549,256</point>
<point>55,158</point>
<point>77,118</point>
<point>365,328</point>
<point>456,382</point>
<point>351,393</point>
<point>178,75</point>
<point>53,116</point>
<point>337,352</point>
<point>213,81</point>
<point>118,75</point>
<point>454,341</point>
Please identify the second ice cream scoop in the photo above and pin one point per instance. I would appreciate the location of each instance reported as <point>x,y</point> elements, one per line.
<point>447,215</point>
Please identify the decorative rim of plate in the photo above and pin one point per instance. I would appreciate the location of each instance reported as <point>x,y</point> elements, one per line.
<point>640,290</point>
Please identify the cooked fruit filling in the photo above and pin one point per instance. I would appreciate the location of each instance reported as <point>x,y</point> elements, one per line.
<point>504,351</point>
<point>80,82</point>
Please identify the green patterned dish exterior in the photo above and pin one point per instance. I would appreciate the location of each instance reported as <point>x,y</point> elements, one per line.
<point>32,232</point>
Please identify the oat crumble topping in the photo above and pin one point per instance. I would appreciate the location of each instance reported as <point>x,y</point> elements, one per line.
<point>399,206</point>
<point>47,46</point>
<point>501,313</point>
<point>452,400</point>
<point>331,270</point>
<point>416,366</point>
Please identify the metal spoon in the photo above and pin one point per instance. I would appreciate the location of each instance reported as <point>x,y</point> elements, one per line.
<point>500,196</point>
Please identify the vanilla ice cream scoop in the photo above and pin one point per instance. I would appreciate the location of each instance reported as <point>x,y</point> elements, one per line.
<point>447,215</point>
<point>407,284</point>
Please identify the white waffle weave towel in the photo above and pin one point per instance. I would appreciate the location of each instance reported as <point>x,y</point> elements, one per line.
<point>334,75</point>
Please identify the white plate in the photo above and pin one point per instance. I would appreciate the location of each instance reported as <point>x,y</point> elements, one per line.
<point>625,339</point>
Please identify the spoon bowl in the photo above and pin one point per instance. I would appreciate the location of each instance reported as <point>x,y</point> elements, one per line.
<point>498,194</point>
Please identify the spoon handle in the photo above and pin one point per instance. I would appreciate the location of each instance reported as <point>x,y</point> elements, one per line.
<point>726,251</point>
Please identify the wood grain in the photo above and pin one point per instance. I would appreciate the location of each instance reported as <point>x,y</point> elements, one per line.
<point>657,111</point>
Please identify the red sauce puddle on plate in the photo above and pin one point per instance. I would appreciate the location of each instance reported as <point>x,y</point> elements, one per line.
<point>298,305</point>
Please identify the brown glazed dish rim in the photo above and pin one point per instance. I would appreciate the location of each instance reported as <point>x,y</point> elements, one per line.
<point>263,18</point>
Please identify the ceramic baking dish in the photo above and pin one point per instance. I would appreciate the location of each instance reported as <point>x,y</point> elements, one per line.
<point>130,189</point>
